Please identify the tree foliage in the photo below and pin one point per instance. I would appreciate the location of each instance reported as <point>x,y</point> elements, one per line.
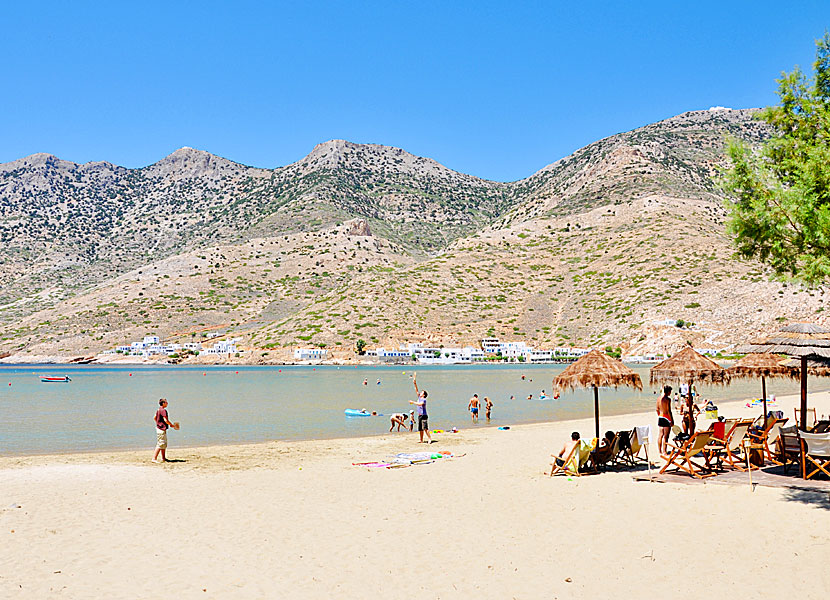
<point>779,196</point>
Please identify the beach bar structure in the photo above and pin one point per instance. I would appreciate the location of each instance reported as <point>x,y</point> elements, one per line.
<point>688,366</point>
<point>805,341</point>
<point>595,370</point>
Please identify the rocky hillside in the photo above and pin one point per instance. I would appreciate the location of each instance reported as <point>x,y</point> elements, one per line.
<point>66,226</point>
<point>364,241</point>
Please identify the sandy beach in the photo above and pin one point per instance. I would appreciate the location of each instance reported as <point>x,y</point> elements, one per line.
<point>297,519</point>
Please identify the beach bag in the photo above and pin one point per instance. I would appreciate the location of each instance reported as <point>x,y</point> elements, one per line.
<point>681,438</point>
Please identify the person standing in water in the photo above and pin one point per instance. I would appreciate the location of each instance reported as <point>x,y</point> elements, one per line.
<point>488,404</point>
<point>472,406</point>
<point>421,408</point>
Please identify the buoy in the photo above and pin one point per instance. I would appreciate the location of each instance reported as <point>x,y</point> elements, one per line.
<point>280,370</point>
<point>204,374</point>
<point>131,374</point>
<point>237,372</point>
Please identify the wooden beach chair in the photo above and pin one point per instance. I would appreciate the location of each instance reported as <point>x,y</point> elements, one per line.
<point>570,464</point>
<point>682,458</point>
<point>768,437</point>
<point>812,418</point>
<point>603,456</point>
<point>789,447</point>
<point>732,450</point>
<point>815,449</point>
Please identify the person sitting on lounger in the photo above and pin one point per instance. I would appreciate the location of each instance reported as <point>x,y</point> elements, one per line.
<point>565,452</point>
<point>603,453</point>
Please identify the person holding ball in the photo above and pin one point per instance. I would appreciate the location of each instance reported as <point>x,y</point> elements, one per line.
<point>162,425</point>
<point>421,406</point>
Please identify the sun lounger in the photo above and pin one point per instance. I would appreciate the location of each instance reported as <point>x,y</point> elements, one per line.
<point>789,447</point>
<point>603,455</point>
<point>812,418</point>
<point>769,436</point>
<point>815,454</point>
<point>682,457</point>
<point>732,450</point>
<point>574,463</point>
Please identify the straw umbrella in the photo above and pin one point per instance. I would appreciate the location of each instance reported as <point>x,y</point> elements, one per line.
<point>803,340</point>
<point>687,366</point>
<point>595,370</point>
<point>762,365</point>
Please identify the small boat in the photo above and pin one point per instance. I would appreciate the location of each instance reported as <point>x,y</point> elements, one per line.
<point>61,379</point>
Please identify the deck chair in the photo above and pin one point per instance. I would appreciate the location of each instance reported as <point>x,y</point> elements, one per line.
<point>570,464</point>
<point>638,442</point>
<point>768,437</point>
<point>728,426</point>
<point>575,462</point>
<point>789,447</point>
<point>603,456</point>
<point>694,447</point>
<point>732,450</point>
<point>816,454</point>
<point>811,417</point>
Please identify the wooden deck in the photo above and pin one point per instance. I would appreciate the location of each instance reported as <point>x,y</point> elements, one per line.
<point>772,476</point>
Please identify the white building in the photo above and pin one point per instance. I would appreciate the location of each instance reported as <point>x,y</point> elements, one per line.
<point>223,347</point>
<point>310,353</point>
<point>490,344</point>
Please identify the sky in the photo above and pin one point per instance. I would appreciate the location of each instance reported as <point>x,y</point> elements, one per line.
<point>493,89</point>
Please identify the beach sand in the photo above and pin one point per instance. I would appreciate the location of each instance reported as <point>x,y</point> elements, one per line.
<point>297,520</point>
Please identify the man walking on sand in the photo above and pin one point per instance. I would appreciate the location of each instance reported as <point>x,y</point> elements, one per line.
<point>664,420</point>
<point>421,407</point>
<point>162,425</point>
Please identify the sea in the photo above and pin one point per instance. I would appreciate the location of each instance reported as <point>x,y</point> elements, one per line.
<point>112,407</point>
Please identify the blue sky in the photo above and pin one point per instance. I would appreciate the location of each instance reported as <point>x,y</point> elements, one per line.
<point>497,90</point>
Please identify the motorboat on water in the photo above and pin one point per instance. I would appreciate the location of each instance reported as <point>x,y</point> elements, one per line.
<point>59,379</point>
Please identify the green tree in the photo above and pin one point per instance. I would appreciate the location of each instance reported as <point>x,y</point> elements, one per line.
<point>360,345</point>
<point>779,197</point>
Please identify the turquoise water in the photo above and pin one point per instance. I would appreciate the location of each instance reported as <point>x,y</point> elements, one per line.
<point>112,407</point>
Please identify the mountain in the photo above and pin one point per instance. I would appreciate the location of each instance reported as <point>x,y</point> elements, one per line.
<point>370,241</point>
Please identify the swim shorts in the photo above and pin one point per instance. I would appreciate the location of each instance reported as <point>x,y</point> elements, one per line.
<point>423,423</point>
<point>474,410</point>
<point>663,422</point>
<point>161,438</point>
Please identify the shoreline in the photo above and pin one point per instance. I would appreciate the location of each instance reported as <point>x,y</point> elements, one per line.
<point>818,400</point>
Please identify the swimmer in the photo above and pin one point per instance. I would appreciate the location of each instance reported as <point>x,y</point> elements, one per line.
<point>365,382</point>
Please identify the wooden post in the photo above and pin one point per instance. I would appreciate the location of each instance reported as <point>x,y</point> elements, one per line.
<point>803,425</point>
<point>690,415</point>
<point>764,396</point>
<point>596,410</point>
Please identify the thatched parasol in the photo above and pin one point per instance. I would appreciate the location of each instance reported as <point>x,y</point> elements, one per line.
<point>804,340</point>
<point>763,365</point>
<point>595,370</point>
<point>687,366</point>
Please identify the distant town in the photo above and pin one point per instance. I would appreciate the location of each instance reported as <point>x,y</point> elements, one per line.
<point>152,346</point>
